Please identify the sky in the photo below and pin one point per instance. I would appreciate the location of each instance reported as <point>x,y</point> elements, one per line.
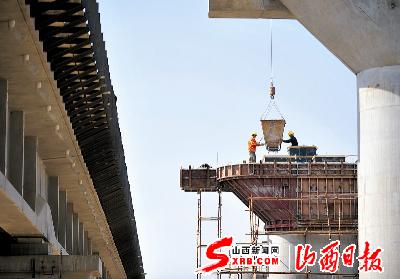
<point>190,90</point>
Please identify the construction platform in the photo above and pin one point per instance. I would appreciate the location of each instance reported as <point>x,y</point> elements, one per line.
<point>288,193</point>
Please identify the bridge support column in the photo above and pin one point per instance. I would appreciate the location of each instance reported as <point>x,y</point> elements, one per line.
<point>54,201</point>
<point>62,220</point>
<point>3,124</point>
<point>70,229</point>
<point>89,246</point>
<point>86,244</point>
<point>287,244</point>
<point>30,171</point>
<point>75,235</point>
<point>16,150</point>
<point>81,239</point>
<point>379,166</point>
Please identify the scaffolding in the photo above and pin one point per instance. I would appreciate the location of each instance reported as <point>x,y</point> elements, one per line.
<point>289,197</point>
<point>200,220</point>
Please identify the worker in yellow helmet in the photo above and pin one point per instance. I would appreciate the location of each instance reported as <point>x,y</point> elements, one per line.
<point>292,139</point>
<point>252,146</point>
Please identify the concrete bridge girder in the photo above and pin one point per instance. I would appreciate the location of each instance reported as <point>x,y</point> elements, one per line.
<point>362,34</point>
<point>32,110</point>
<point>248,9</point>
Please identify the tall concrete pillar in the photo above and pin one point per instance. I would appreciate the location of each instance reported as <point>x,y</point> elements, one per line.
<point>70,229</point>
<point>287,244</point>
<point>62,220</point>
<point>89,247</point>
<point>16,150</point>
<point>379,165</point>
<point>54,200</point>
<point>30,170</point>
<point>42,180</point>
<point>81,239</point>
<point>86,244</point>
<point>75,234</point>
<point>103,271</point>
<point>3,125</point>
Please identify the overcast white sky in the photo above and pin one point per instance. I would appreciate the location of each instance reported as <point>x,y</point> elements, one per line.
<point>190,87</point>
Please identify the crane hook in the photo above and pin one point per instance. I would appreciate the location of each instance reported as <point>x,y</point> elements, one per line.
<point>272,90</point>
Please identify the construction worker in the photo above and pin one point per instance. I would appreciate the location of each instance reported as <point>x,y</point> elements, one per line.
<point>252,146</point>
<point>292,139</point>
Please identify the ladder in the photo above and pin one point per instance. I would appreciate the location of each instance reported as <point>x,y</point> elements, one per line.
<point>200,220</point>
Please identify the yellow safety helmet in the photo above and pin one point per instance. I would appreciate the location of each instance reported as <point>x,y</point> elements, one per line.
<point>253,134</point>
<point>290,133</point>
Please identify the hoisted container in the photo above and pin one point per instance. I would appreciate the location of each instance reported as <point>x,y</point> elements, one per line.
<point>272,128</point>
<point>273,133</point>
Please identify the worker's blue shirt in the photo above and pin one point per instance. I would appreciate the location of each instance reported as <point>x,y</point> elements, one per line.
<point>292,140</point>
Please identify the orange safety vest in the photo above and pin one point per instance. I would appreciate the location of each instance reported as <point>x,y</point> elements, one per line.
<point>252,145</point>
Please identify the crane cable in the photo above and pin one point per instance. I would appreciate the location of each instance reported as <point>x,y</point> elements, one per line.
<point>270,48</point>
<point>271,86</point>
<point>272,104</point>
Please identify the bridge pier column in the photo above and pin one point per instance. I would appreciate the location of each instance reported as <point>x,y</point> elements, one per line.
<point>54,201</point>
<point>62,220</point>
<point>89,246</point>
<point>81,239</point>
<point>287,244</point>
<point>86,244</point>
<point>16,150</point>
<point>75,235</point>
<point>3,124</point>
<point>30,171</point>
<point>70,229</point>
<point>379,165</point>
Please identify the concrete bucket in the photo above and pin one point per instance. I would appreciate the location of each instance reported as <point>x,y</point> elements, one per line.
<point>273,133</point>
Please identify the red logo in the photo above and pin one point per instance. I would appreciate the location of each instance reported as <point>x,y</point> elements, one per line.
<point>268,255</point>
<point>329,262</point>
<point>223,259</point>
<point>305,257</point>
<point>330,255</point>
<point>370,260</point>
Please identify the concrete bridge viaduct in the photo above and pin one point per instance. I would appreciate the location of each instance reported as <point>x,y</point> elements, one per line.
<point>364,35</point>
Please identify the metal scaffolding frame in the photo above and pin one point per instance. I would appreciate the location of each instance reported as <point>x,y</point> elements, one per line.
<point>255,233</point>
<point>291,198</point>
<point>200,220</point>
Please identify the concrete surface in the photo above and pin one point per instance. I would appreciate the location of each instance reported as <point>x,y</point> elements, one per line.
<point>54,201</point>
<point>69,267</point>
<point>30,171</point>
<point>378,170</point>
<point>288,243</point>
<point>75,234</point>
<point>363,34</point>
<point>58,152</point>
<point>248,9</point>
<point>62,226</point>
<point>81,247</point>
<point>19,219</point>
<point>70,229</point>
<point>16,147</point>
<point>3,124</point>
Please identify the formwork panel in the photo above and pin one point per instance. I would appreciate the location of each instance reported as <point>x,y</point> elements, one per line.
<point>194,180</point>
<point>296,196</point>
